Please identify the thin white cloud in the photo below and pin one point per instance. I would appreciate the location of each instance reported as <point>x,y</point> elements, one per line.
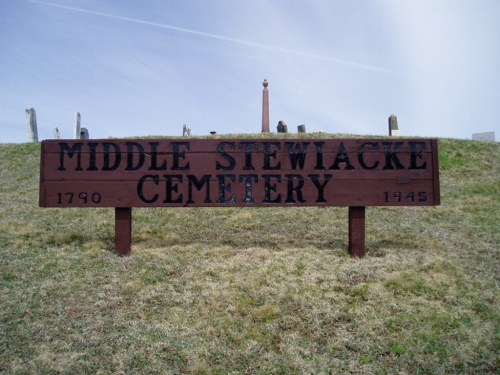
<point>244,42</point>
<point>450,52</point>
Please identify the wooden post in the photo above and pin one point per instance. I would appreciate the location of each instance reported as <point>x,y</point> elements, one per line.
<point>123,230</point>
<point>357,231</point>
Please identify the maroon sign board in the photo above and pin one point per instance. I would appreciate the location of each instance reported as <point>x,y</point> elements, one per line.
<point>354,173</point>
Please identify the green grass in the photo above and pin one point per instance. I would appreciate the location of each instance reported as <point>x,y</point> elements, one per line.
<point>251,291</point>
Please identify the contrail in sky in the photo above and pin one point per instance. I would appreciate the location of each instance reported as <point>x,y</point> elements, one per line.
<point>222,38</point>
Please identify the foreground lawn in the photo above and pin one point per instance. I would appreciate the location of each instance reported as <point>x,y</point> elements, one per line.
<point>251,291</point>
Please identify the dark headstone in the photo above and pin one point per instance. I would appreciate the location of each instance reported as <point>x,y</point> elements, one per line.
<point>84,133</point>
<point>393,126</point>
<point>282,127</point>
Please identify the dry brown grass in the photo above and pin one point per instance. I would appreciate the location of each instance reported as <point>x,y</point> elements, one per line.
<point>251,291</point>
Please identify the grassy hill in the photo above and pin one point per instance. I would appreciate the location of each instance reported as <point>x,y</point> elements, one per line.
<point>250,291</point>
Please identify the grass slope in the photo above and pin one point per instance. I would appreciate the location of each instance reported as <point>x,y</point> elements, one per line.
<point>249,291</point>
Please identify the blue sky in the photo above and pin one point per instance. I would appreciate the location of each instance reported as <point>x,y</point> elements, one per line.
<point>146,67</point>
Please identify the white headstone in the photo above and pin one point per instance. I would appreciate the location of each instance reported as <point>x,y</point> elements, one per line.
<point>77,125</point>
<point>32,126</point>
<point>484,137</point>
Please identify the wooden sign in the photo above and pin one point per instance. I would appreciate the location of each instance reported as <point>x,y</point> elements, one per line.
<point>239,173</point>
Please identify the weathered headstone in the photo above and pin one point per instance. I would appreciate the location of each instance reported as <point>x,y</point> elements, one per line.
<point>265,107</point>
<point>77,125</point>
<point>84,133</point>
<point>32,126</point>
<point>393,126</point>
<point>484,137</point>
<point>282,127</point>
<point>301,128</point>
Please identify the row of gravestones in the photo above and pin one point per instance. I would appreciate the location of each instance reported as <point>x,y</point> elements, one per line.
<point>83,133</point>
<point>80,133</point>
<point>393,127</point>
<point>283,128</point>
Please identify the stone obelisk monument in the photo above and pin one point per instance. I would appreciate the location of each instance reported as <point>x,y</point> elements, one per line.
<point>265,108</point>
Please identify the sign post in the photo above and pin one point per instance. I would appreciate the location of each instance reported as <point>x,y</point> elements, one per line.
<point>357,231</point>
<point>353,173</point>
<point>123,230</point>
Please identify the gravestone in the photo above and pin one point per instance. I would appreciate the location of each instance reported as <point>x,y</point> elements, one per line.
<point>282,127</point>
<point>484,137</point>
<point>393,126</point>
<point>32,126</point>
<point>301,128</point>
<point>84,133</point>
<point>77,125</point>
